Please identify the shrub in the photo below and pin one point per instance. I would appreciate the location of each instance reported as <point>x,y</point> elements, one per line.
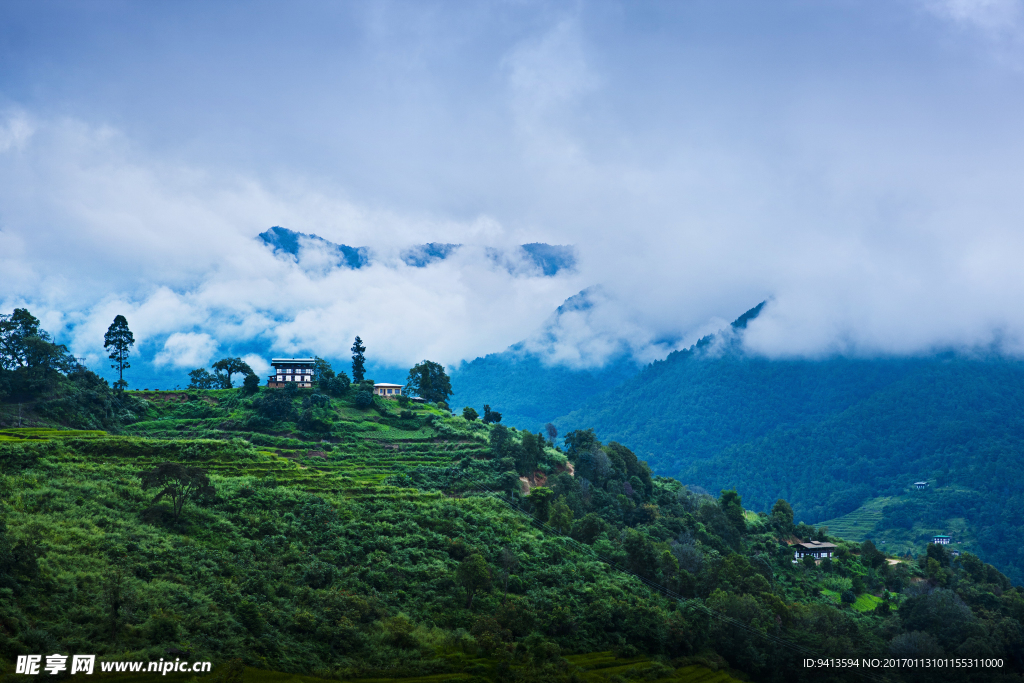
<point>316,401</point>
<point>335,386</point>
<point>364,399</point>
<point>255,423</point>
<point>314,420</point>
<point>275,405</point>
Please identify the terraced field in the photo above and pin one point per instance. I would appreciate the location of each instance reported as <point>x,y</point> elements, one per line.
<point>375,453</point>
<point>859,524</point>
<point>17,434</point>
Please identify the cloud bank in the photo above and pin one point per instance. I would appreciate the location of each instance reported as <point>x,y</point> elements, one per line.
<point>859,166</point>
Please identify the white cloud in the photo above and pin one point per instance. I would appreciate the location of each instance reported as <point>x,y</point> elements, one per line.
<point>99,232</point>
<point>187,350</point>
<point>991,15</point>
<point>874,195</point>
<point>259,364</point>
<point>15,130</point>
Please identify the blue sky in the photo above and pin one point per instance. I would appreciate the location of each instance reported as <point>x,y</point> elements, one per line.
<point>856,163</point>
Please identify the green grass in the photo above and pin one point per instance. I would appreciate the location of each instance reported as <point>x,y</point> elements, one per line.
<point>867,602</point>
<point>39,433</point>
<point>866,523</point>
<point>859,524</point>
<point>599,667</point>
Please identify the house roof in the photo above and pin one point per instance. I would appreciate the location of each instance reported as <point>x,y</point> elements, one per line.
<point>940,536</point>
<point>389,386</point>
<point>817,545</point>
<point>920,483</point>
<point>292,360</point>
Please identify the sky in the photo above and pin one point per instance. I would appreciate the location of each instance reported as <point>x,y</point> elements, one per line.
<point>856,164</point>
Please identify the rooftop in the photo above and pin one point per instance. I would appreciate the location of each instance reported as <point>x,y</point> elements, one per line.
<point>819,545</point>
<point>292,360</point>
<point>385,384</point>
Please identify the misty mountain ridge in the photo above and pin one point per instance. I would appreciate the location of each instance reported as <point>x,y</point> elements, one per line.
<point>826,434</point>
<point>549,259</point>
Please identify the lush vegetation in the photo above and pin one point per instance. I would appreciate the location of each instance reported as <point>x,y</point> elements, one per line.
<point>42,383</point>
<point>330,533</point>
<point>835,434</point>
<point>393,541</point>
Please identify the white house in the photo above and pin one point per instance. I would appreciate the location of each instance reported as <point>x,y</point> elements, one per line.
<point>287,370</point>
<point>816,549</point>
<point>387,390</point>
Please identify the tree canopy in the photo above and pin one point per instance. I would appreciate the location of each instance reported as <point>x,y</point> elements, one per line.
<point>201,378</point>
<point>429,381</point>
<point>177,482</point>
<point>226,367</point>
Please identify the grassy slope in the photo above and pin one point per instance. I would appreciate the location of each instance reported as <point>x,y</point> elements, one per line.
<point>87,506</point>
<point>867,522</point>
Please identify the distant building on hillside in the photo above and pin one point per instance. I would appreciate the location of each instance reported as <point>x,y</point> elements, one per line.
<point>291,370</point>
<point>941,540</point>
<point>387,390</point>
<point>816,549</point>
<point>954,553</point>
<point>920,485</point>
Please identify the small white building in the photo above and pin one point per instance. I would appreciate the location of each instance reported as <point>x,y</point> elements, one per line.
<point>819,550</point>
<point>387,390</point>
<point>920,485</point>
<point>941,540</point>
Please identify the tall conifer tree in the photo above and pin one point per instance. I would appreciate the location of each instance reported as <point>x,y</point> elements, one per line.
<point>118,341</point>
<point>358,360</point>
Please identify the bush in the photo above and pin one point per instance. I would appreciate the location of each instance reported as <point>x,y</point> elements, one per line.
<point>407,415</point>
<point>255,423</point>
<point>250,385</point>
<point>848,596</point>
<point>335,386</point>
<point>277,404</point>
<point>364,399</point>
<point>316,401</point>
<point>314,420</point>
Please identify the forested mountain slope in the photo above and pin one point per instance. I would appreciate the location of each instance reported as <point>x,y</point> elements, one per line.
<point>329,532</point>
<point>829,435</point>
<point>526,391</point>
<point>360,541</point>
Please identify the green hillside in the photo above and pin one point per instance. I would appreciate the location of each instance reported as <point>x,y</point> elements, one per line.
<point>830,435</point>
<point>350,552</point>
<point>326,534</point>
<point>906,523</point>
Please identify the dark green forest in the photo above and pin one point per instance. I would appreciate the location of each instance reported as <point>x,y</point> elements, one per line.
<point>830,435</point>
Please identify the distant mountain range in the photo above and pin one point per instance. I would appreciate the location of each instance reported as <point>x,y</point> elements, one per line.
<point>550,259</point>
<point>828,435</point>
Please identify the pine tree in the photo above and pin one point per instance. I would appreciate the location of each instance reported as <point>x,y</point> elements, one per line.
<point>358,360</point>
<point>119,340</point>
